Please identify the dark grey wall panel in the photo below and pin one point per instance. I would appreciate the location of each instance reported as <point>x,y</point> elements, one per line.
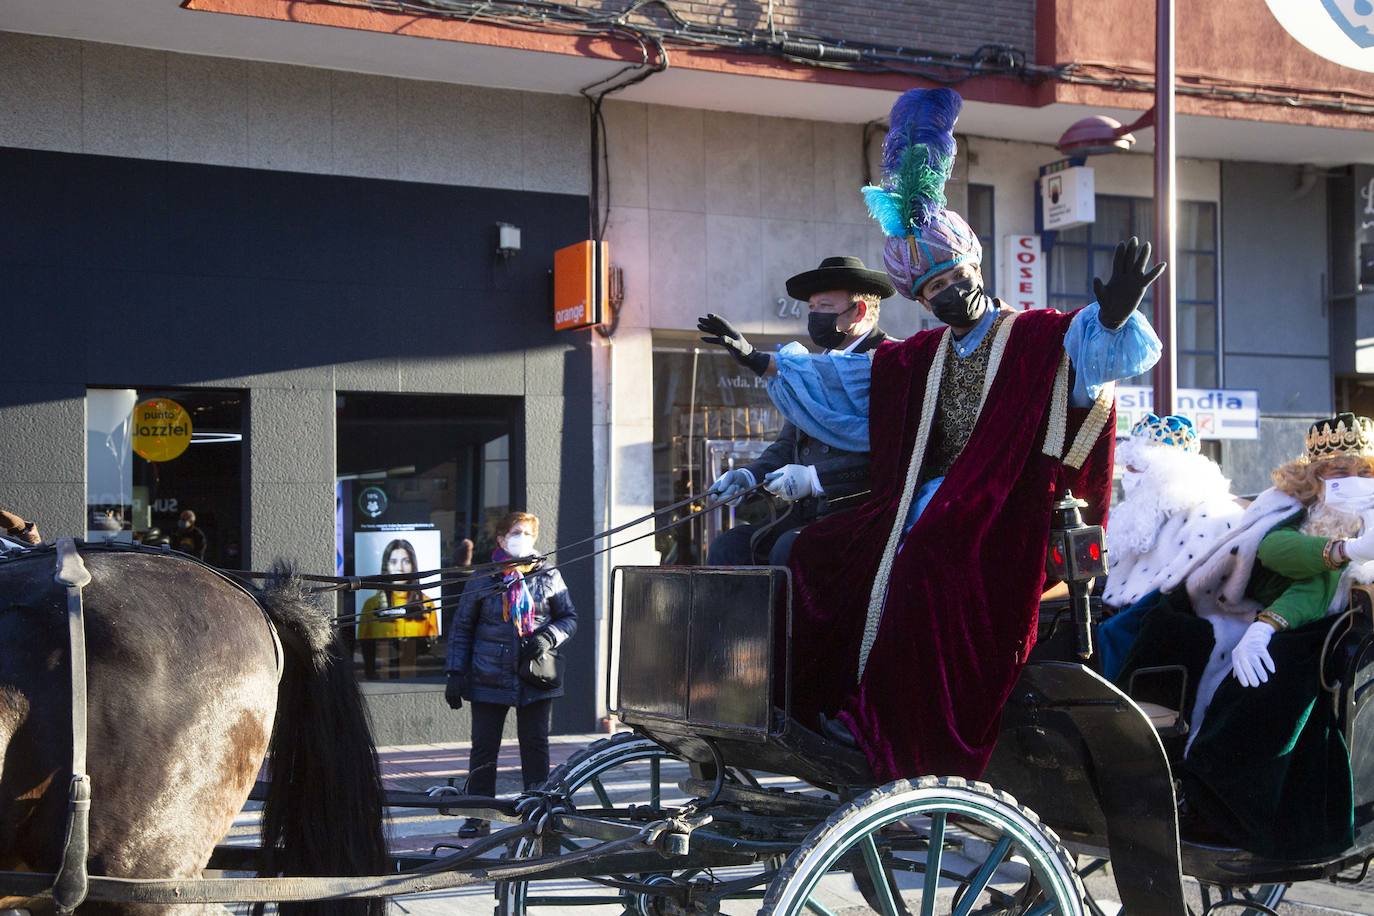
<point>148,273</point>
<point>1273,306</point>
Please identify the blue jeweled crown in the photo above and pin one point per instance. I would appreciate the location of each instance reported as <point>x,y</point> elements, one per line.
<point>1173,431</point>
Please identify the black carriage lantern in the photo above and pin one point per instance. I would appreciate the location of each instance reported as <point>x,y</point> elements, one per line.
<point>1077,554</point>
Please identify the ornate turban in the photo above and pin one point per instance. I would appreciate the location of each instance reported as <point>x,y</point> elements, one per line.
<point>923,238</point>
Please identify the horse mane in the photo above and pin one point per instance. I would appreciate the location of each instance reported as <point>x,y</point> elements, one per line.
<point>302,621</point>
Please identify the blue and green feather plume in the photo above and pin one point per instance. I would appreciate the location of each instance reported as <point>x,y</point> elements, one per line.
<point>918,157</point>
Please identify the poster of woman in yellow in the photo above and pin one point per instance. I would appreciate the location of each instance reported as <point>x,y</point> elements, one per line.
<point>403,614</point>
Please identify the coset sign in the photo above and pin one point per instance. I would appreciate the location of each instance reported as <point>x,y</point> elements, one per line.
<point>162,429</point>
<point>1025,260</point>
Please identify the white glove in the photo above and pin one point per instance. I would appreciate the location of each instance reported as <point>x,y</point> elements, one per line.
<point>793,482</point>
<point>731,484</point>
<point>1360,549</point>
<point>1251,655</point>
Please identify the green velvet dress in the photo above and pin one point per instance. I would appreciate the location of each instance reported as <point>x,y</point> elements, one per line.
<point>1269,768</point>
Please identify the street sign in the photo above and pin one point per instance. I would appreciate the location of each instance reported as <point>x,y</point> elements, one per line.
<point>1025,284</point>
<point>1067,198</point>
<point>1217,413</point>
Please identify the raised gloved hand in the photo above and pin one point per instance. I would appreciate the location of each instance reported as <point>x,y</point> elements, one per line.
<point>1250,657</point>
<point>731,484</point>
<point>723,334</point>
<point>1121,294</point>
<point>453,690</point>
<point>793,482</point>
<point>536,644</point>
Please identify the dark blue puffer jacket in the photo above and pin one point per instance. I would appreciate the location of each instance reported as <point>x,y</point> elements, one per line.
<point>484,649</point>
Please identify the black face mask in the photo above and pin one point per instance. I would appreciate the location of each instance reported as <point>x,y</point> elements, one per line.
<point>822,328</point>
<point>959,304</point>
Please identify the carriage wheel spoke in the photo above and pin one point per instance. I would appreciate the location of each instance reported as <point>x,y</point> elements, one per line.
<point>655,784</point>
<point>882,887</point>
<point>600,791</point>
<point>934,851</point>
<point>1042,909</point>
<point>982,877</point>
<point>819,909</point>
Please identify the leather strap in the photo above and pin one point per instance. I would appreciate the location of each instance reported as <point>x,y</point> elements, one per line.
<point>72,883</point>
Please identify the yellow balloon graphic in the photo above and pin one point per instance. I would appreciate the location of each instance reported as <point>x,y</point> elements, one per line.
<point>162,429</point>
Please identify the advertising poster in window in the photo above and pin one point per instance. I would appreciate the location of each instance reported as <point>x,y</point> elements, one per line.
<point>404,610</point>
<point>394,537</point>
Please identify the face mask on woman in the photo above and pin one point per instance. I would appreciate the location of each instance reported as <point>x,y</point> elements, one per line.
<point>520,545</point>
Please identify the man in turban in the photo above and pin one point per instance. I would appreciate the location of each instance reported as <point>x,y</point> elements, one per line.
<point>916,610</point>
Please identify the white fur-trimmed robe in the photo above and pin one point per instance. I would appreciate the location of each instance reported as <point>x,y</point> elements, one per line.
<point>1184,540</point>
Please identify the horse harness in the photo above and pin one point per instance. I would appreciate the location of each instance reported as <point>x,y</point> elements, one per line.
<point>72,881</point>
<point>70,888</point>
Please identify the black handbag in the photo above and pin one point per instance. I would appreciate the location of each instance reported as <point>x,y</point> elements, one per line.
<point>542,671</point>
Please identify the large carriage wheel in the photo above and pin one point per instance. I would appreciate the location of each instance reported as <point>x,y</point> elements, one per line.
<point>618,771</point>
<point>901,842</point>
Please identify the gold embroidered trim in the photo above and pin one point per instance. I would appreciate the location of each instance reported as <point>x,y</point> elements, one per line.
<point>918,452</point>
<point>1056,428</point>
<point>1092,427</point>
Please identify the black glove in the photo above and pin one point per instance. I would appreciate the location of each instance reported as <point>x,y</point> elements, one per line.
<point>536,644</point>
<point>1121,295</point>
<point>453,690</point>
<point>725,335</point>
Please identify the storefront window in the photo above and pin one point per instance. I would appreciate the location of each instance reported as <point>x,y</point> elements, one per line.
<point>1080,254</point>
<point>980,220</point>
<point>164,466</point>
<point>710,414</point>
<point>421,478</point>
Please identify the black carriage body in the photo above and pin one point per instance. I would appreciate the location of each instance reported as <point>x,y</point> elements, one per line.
<point>700,647</point>
<point>704,662</point>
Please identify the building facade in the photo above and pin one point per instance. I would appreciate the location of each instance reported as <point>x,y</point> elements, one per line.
<point>282,218</point>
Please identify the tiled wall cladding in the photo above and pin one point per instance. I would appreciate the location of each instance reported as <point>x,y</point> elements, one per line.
<point>934,25</point>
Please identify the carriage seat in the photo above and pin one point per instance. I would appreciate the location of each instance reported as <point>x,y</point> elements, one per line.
<point>1161,717</point>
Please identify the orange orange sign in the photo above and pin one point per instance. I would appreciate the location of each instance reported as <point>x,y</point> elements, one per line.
<point>579,285</point>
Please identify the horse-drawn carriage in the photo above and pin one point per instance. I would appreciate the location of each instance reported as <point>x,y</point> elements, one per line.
<point>765,808</point>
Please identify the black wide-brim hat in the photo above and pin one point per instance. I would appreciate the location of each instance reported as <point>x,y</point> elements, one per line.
<point>844,273</point>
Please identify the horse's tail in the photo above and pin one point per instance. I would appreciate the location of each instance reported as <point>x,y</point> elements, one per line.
<point>323,814</point>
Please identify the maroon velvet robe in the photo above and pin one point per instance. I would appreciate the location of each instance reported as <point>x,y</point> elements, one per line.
<point>963,595</point>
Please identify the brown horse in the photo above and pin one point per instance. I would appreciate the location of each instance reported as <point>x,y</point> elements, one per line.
<point>188,692</point>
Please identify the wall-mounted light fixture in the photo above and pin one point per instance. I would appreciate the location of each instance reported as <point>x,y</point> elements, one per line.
<point>507,240</point>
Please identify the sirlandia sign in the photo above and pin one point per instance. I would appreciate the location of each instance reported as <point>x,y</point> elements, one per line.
<point>161,429</point>
<point>1217,413</point>
<point>1342,31</point>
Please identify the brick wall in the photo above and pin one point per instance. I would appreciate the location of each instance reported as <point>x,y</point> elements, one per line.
<point>937,25</point>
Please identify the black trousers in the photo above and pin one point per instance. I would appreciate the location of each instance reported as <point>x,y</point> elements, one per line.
<point>732,548</point>
<point>531,724</point>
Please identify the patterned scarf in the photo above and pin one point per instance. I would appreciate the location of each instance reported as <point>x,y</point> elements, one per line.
<point>516,601</point>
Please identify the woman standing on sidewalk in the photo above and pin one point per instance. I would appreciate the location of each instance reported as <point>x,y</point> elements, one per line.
<point>503,653</point>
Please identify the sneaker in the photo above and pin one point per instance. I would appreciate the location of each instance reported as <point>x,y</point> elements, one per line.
<point>473,828</point>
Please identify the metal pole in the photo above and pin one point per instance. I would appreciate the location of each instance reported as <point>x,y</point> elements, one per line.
<point>1166,371</point>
